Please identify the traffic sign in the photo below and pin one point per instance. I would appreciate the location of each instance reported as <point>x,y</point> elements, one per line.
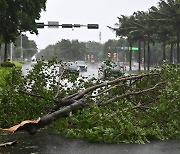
<point>135,48</point>
<point>53,24</point>
<point>92,26</point>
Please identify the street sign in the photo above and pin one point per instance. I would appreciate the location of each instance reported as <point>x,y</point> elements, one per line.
<point>53,24</point>
<point>135,48</point>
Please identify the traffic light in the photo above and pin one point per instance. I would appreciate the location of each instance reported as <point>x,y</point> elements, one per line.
<point>40,25</point>
<point>76,25</point>
<point>92,26</point>
<point>109,54</point>
<point>67,26</point>
<point>115,55</point>
<point>92,58</point>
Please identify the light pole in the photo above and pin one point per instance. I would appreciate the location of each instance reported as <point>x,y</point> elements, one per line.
<point>21,47</point>
<point>11,51</point>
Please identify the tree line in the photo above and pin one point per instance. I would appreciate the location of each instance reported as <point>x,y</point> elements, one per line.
<point>70,50</point>
<point>74,50</point>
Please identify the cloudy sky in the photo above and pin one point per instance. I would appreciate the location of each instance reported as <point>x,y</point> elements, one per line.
<point>102,12</point>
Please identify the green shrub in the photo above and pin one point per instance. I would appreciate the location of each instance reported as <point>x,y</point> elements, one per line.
<point>18,64</point>
<point>3,74</point>
<point>7,64</point>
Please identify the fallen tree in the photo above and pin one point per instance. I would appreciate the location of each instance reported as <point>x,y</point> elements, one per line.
<point>137,95</point>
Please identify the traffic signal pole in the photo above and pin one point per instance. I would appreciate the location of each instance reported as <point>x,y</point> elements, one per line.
<point>55,24</point>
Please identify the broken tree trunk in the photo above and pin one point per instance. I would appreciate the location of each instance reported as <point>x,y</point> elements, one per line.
<point>75,102</point>
<point>33,125</point>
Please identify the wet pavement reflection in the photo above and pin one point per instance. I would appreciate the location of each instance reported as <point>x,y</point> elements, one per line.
<point>49,143</point>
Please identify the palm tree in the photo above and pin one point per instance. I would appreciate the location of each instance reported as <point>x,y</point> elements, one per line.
<point>157,24</point>
<point>139,32</point>
<point>124,30</point>
<point>136,28</point>
<point>144,31</point>
<point>168,14</point>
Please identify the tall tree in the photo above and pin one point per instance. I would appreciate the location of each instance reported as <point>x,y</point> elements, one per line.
<point>134,28</point>
<point>65,50</point>
<point>18,16</point>
<point>168,13</point>
<point>124,30</point>
<point>29,47</point>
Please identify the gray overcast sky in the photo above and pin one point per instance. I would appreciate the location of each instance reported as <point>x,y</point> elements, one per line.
<point>102,12</point>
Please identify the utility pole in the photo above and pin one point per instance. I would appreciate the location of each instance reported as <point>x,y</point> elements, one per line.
<point>100,36</point>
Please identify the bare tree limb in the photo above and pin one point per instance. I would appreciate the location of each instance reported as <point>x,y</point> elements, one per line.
<point>130,93</point>
<point>8,144</point>
<point>70,99</point>
<point>107,90</point>
<point>80,94</point>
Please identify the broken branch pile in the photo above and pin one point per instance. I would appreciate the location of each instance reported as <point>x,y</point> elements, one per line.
<point>126,109</point>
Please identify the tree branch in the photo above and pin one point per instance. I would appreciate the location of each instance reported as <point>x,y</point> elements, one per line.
<point>107,90</point>
<point>32,126</point>
<point>130,93</point>
<point>75,102</point>
<point>80,94</point>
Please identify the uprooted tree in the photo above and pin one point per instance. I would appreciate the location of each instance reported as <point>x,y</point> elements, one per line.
<point>132,108</point>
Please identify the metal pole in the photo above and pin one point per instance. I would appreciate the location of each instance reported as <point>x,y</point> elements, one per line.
<point>21,49</point>
<point>0,52</point>
<point>11,50</point>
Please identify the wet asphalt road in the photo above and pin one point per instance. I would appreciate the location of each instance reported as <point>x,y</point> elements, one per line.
<point>91,72</point>
<point>49,143</point>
